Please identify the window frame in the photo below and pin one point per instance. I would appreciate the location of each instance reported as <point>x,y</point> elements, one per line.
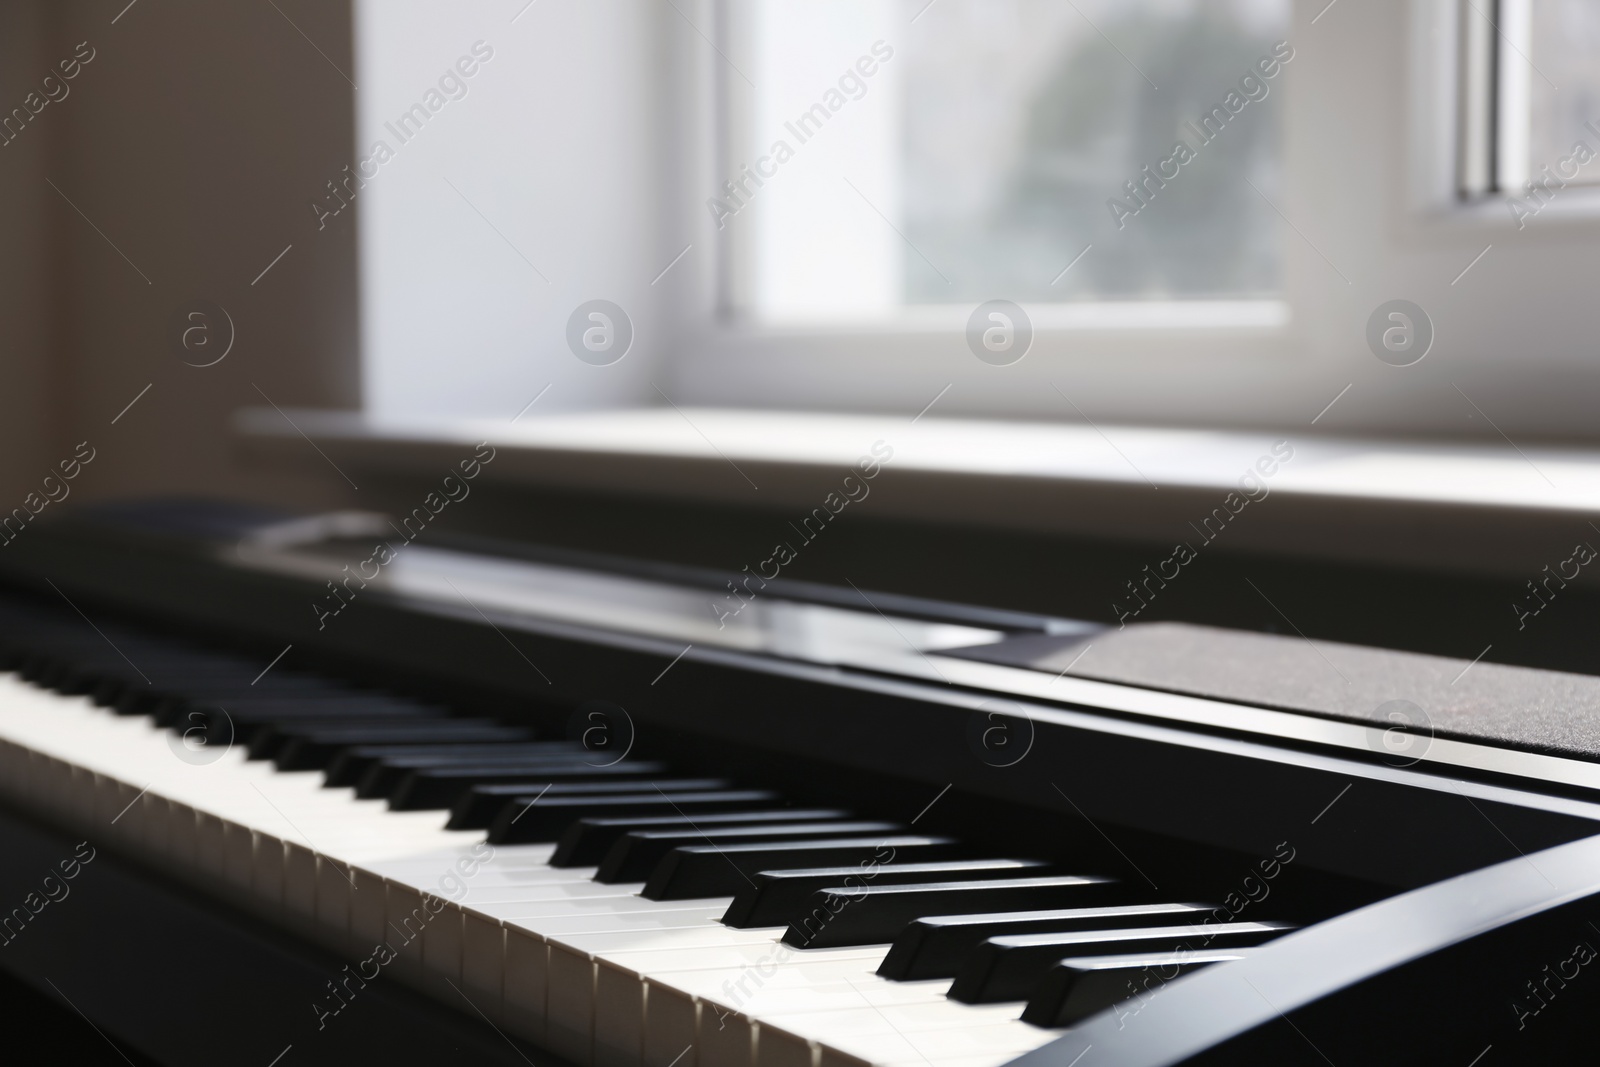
<point>1401,121</point>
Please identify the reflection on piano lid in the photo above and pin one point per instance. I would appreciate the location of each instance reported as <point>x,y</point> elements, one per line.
<point>740,616</point>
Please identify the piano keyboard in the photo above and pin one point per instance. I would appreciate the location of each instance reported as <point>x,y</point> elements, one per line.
<point>844,836</point>
<point>625,914</point>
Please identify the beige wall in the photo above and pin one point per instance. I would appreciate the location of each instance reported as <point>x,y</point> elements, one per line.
<point>28,397</point>
<point>192,141</point>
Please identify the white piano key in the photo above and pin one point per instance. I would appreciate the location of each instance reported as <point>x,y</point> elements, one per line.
<point>621,922</point>
<point>183,835</point>
<point>727,1039</point>
<point>987,1059</point>
<point>549,905</point>
<point>483,961</point>
<point>569,1005</point>
<point>155,820</point>
<point>784,1037</point>
<point>526,980</point>
<point>238,856</point>
<point>729,1007</point>
<point>334,901</point>
<point>369,916</point>
<point>514,857</point>
<point>863,1042</point>
<point>676,1001</point>
<point>669,1036</point>
<point>210,836</point>
<point>615,1015</point>
<point>407,914</point>
<point>299,884</point>
<point>527,977</point>
<point>631,995</point>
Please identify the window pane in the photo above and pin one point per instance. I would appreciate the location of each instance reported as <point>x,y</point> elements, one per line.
<point>995,140</point>
<point>1563,85</point>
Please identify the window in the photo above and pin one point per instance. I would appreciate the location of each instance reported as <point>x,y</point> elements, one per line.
<point>1530,91</point>
<point>987,149</point>
<point>920,153</point>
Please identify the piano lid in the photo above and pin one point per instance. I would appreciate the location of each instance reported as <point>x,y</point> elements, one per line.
<point>508,589</point>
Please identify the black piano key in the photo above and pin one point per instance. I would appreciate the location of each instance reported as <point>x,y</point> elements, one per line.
<point>379,768</point>
<point>390,776</point>
<point>83,674</point>
<point>168,705</point>
<point>1008,968</point>
<point>478,809</point>
<point>936,946</point>
<point>268,739</point>
<point>1077,988</point>
<point>115,684</point>
<point>242,721</point>
<point>773,896</point>
<point>529,819</point>
<point>692,871</point>
<point>636,853</point>
<point>873,915</point>
<point>313,750</point>
<point>86,673</point>
<point>425,788</point>
<point>586,842</point>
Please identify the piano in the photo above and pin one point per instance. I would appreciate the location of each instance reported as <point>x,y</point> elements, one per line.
<point>293,789</point>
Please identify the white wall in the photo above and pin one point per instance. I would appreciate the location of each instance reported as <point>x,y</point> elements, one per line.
<point>554,143</point>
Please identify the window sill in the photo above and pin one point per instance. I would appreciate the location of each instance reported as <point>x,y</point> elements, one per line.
<point>1269,317</point>
<point>1445,507</point>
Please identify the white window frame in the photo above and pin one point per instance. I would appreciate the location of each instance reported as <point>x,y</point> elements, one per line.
<point>1374,81</point>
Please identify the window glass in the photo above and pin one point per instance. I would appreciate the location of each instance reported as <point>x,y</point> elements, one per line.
<point>1563,86</point>
<point>995,141</point>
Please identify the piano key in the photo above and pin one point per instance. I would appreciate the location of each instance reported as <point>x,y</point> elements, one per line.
<point>375,770</point>
<point>935,946</point>
<point>478,809</point>
<point>633,856</point>
<point>704,870</point>
<point>920,1031</point>
<point>773,896</point>
<point>586,842</point>
<point>725,1000</point>
<point>124,692</point>
<point>351,765</point>
<point>313,750</point>
<point>245,717</point>
<point>130,693</point>
<point>1009,967</point>
<point>994,1044</point>
<point>268,739</point>
<point>609,983</point>
<point>422,788</point>
<point>529,818</point>
<point>1077,988</point>
<point>528,925</point>
<point>169,704</point>
<point>874,914</point>
<point>737,1017</point>
<point>75,674</point>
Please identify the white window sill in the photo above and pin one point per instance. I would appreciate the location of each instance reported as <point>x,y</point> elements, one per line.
<point>1089,316</point>
<point>1482,508</point>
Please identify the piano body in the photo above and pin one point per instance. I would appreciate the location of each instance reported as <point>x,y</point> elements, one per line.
<point>323,794</point>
